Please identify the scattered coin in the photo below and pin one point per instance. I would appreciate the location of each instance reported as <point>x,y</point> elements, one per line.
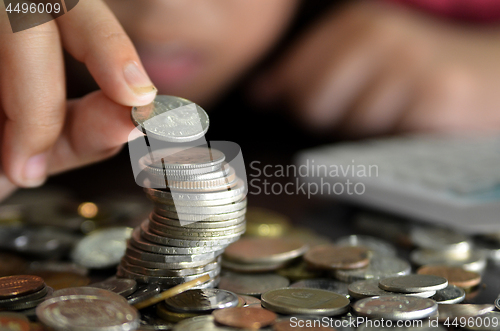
<point>450,295</point>
<point>123,287</point>
<point>297,271</point>
<point>202,300</point>
<point>251,284</point>
<point>264,250</point>
<point>249,300</point>
<point>323,284</point>
<point>375,245</point>
<point>473,260</point>
<point>439,239</point>
<point>413,283</point>
<point>455,275</point>
<point>205,323</point>
<point>12,286</point>
<point>144,293</point>
<point>370,288</point>
<point>165,313</point>
<point>305,301</point>
<point>397,307</point>
<point>172,119</point>
<point>338,257</point>
<point>379,267</point>
<point>452,311</point>
<point>244,318</point>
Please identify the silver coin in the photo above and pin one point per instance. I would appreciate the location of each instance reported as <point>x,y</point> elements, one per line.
<point>305,301</point>
<point>123,287</point>
<point>4,303</point>
<point>195,234</point>
<point>160,258</point>
<point>199,301</point>
<point>379,267</point>
<point>224,170</point>
<point>143,293</point>
<point>369,288</point>
<point>160,196</point>
<point>144,245</point>
<point>197,225</point>
<point>204,322</point>
<point>397,307</point>
<point>160,239</point>
<point>224,209</point>
<point>323,284</point>
<point>102,248</point>
<point>449,295</point>
<point>158,172</point>
<point>251,284</point>
<point>173,265</point>
<point>472,260</point>
<point>169,272</point>
<point>171,118</point>
<point>413,283</point>
<point>452,311</point>
<point>189,218</point>
<point>439,239</point>
<point>85,313</point>
<point>377,246</point>
<point>487,322</point>
<point>163,280</point>
<point>182,158</point>
<point>201,203</point>
<point>28,304</point>
<point>88,292</point>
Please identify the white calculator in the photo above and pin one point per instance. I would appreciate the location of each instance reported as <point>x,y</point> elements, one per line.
<point>444,180</point>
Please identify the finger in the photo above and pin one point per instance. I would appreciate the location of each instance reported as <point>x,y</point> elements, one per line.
<point>32,94</point>
<point>96,128</point>
<point>91,33</point>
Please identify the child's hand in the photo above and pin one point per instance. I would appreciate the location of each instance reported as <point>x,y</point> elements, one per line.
<point>40,133</point>
<point>376,67</point>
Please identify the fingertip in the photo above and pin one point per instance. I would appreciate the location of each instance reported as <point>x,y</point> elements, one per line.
<point>139,83</point>
<point>35,171</point>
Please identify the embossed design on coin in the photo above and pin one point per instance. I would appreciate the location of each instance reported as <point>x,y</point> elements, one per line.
<point>395,307</point>
<point>11,286</point>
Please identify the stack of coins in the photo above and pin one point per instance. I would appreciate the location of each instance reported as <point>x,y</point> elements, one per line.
<point>22,292</point>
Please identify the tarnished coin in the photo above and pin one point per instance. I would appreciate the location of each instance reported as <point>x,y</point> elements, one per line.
<point>487,322</point>
<point>452,311</point>
<point>171,118</point>
<point>102,248</point>
<point>323,284</point>
<point>203,300</point>
<point>245,318</point>
<point>205,323</point>
<point>12,286</point>
<point>305,301</point>
<point>82,312</point>
<point>338,257</point>
<point>251,284</point>
<point>123,287</point>
<point>143,293</point>
<point>455,275</point>
<point>413,283</point>
<point>14,322</point>
<point>439,239</point>
<point>11,264</point>
<point>375,245</point>
<point>379,267</point>
<point>395,307</point>
<point>369,288</point>
<point>450,295</point>
<point>264,250</point>
<point>473,260</point>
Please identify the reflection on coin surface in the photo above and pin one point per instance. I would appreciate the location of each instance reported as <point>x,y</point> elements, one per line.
<point>251,284</point>
<point>264,250</point>
<point>123,287</point>
<point>413,283</point>
<point>11,286</point>
<point>244,318</point>
<point>14,322</point>
<point>305,301</point>
<point>183,158</point>
<point>323,284</point>
<point>172,119</point>
<point>89,292</point>
<point>397,307</point>
<point>439,239</point>
<point>82,312</point>
<point>144,293</point>
<point>338,257</point>
<point>202,300</point>
<point>449,312</point>
<point>379,267</point>
<point>473,260</point>
<point>375,245</point>
<point>455,275</point>
<point>369,288</point>
<point>449,295</point>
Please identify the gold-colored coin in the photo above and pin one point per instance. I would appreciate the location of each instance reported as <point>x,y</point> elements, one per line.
<point>263,222</point>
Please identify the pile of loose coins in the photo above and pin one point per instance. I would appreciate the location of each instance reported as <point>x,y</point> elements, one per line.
<point>22,292</point>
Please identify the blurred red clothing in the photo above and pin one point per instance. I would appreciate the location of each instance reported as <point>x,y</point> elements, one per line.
<point>470,10</point>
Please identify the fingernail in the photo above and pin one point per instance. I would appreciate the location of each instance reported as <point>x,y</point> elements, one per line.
<point>139,81</point>
<point>35,170</point>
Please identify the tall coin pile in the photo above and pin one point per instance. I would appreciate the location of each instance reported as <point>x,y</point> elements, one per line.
<point>201,211</point>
